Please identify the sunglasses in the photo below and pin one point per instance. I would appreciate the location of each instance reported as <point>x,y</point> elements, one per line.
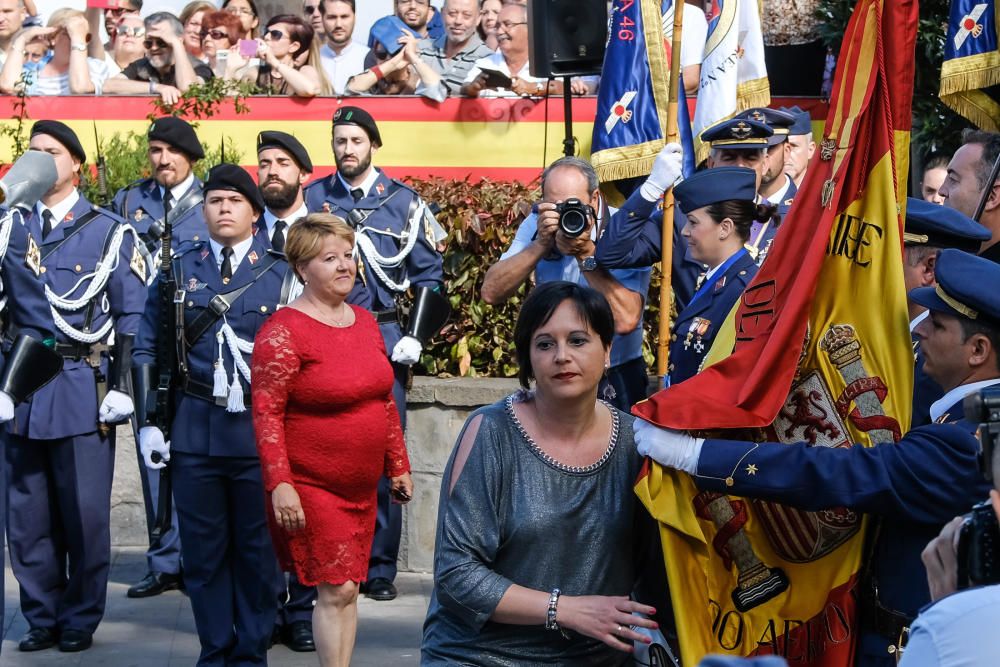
<point>215,34</point>
<point>309,9</point>
<point>274,34</point>
<point>154,44</point>
<point>135,31</point>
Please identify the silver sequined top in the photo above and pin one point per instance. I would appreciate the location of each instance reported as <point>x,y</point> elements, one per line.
<point>517,516</point>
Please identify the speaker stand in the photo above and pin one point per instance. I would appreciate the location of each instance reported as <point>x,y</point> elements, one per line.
<point>569,146</point>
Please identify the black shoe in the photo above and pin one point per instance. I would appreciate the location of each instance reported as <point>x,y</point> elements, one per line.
<point>380,589</point>
<point>155,583</point>
<point>275,637</point>
<point>71,641</point>
<point>298,636</point>
<point>37,639</point>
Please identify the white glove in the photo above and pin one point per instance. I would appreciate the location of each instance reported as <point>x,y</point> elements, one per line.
<point>666,172</point>
<point>407,351</point>
<point>6,407</point>
<point>673,449</point>
<point>116,407</point>
<point>150,442</point>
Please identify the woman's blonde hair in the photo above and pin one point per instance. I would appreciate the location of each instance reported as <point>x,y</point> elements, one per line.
<point>60,17</point>
<point>305,237</point>
<point>313,58</point>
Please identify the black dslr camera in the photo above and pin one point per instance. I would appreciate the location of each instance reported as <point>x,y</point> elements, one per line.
<point>573,217</point>
<point>979,537</point>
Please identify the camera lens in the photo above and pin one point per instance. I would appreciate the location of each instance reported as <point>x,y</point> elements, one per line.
<point>572,222</point>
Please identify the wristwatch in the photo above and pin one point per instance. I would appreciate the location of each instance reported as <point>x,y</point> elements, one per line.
<point>79,47</point>
<point>588,263</point>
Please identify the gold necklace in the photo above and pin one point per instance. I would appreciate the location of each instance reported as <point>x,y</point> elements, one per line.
<point>336,322</point>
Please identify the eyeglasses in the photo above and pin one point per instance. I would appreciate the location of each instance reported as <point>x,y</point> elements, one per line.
<point>309,9</point>
<point>151,44</point>
<point>135,31</point>
<point>215,34</point>
<point>507,25</point>
<point>274,34</point>
<point>246,11</point>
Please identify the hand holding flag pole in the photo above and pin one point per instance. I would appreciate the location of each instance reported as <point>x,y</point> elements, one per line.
<point>667,246</point>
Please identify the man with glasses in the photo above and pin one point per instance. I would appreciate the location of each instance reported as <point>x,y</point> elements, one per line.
<point>311,13</point>
<point>167,70</point>
<point>511,61</point>
<point>341,57</point>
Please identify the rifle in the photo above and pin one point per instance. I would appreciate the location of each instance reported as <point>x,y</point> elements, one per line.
<point>102,170</point>
<point>169,367</point>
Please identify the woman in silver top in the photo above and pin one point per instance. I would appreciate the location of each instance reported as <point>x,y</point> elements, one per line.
<point>537,524</point>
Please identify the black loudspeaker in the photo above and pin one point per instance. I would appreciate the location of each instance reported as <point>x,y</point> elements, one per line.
<point>566,37</point>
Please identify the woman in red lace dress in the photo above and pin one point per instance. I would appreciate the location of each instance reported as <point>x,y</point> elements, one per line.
<point>327,429</point>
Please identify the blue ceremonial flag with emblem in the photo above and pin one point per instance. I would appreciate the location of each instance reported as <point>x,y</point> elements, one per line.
<point>970,73</point>
<point>631,121</point>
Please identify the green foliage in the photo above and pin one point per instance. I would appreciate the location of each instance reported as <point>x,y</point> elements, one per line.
<point>481,220</point>
<point>936,128</point>
<point>17,132</point>
<point>202,100</point>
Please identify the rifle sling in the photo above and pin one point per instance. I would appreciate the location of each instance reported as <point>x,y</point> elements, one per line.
<point>220,305</point>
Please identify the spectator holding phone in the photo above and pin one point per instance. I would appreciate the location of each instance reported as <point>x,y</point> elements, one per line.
<point>191,17</point>
<point>286,38</point>
<point>396,72</point>
<point>166,70</point>
<point>69,71</point>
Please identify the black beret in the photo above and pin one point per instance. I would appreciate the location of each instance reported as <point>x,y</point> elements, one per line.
<point>177,133</point>
<point>287,143</point>
<point>235,179</point>
<point>61,133</point>
<point>361,118</point>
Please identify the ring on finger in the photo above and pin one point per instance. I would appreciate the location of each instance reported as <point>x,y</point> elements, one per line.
<point>619,631</point>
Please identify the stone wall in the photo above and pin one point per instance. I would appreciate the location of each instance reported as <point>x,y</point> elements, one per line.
<point>436,411</point>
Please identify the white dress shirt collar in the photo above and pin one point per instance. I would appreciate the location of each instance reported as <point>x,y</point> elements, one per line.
<point>60,210</point>
<point>366,185</point>
<point>178,190</point>
<point>240,251</point>
<point>957,394</point>
<point>270,218</point>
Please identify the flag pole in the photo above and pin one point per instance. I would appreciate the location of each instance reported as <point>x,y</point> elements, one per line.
<point>667,232</point>
<point>989,188</point>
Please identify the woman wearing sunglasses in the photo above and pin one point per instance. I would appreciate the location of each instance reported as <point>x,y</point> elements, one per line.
<point>68,71</point>
<point>220,32</point>
<point>128,43</point>
<point>287,41</point>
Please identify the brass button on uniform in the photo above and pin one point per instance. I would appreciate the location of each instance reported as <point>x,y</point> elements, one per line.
<point>41,270</point>
<point>78,268</point>
<point>263,309</point>
<point>190,304</point>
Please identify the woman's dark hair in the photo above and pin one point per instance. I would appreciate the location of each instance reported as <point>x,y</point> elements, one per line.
<point>298,31</point>
<point>743,213</point>
<point>537,309</point>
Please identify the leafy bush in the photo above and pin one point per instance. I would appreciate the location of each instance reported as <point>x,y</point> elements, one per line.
<point>481,220</point>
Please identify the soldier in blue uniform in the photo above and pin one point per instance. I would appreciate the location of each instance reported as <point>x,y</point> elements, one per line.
<point>229,562</point>
<point>775,185</point>
<point>929,229</point>
<point>801,145</point>
<point>25,308</point>
<point>914,486</point>
<point>634,240</point>
<point>719,206</point>
<point>60,454</point>
<point>395,238</point>
<point>173,150</point>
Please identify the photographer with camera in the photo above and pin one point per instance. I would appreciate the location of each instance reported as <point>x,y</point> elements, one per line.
<point>911,487</point>
<point>557,242</point>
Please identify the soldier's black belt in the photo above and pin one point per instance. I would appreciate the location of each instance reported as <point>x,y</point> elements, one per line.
<point>204,392</point>
<point>881,620</point>
<point>386,316</point>
<point>74,350</point>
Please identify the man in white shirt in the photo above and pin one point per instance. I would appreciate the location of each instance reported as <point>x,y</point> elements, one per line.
<point>511,59</point>
<point>341,57</point>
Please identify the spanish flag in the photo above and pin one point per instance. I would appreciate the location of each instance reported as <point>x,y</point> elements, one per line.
<point>820,352</point>
<point>970,73</point>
